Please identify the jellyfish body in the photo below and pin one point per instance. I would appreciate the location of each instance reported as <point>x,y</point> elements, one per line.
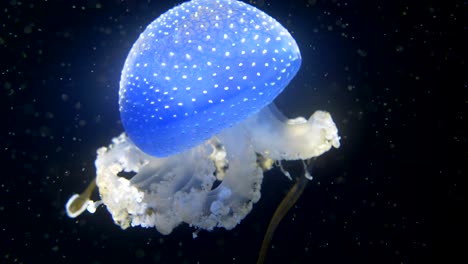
<point>199,68</point>
<point>195,102</point>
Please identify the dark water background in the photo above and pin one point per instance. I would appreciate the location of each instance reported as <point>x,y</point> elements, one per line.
<point>392,74</point>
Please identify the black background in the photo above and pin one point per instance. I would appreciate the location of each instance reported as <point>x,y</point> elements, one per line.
<point>392,74</point>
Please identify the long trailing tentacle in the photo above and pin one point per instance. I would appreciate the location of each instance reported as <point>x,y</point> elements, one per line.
<point>288,201</point>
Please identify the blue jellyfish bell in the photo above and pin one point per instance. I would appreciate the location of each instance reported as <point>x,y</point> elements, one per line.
<point>202,67</point>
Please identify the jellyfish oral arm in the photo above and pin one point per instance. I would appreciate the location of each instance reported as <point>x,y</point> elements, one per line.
<point>279,138</point>
<point>165,192</point>
<point>78,203</point>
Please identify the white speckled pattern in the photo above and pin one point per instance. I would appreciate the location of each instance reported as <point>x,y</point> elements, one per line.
<point>201,67</point>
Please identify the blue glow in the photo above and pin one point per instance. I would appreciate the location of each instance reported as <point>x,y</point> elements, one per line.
<point>199,68</point>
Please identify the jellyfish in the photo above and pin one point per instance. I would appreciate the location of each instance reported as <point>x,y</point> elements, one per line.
<point>196,103</point>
